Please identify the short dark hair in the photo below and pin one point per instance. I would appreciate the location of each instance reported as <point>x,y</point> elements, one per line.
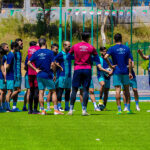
<point>54,45</point>
<point>118,37</point>
<point>42,42</point>
<point>14,45</point>
<point>102,49</point>
<point>3,45</point>
<point>17,40</point>
<point>32,43</point>
<point>85,36</point>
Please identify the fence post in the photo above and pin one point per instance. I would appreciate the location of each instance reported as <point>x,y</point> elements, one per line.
<point>137,59</point>
<point>144,54</point>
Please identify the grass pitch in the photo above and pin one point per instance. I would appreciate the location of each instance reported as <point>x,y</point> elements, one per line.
<point>100,131</point>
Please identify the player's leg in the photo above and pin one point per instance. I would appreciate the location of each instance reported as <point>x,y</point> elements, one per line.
<point>81,96</point>
<point>48,100</point>
<point>124,100</point>
<point>67,98</point>
<point>106,91</point>
<point>8,96</point>
<point>4,100</point>
<point>126,85</point>
<point>1,99</point>
<point>25,102</point>
<point>76,83</point>
<point>117,82</point>
<point>59,96</point>
<point>136,96</point>
<point>15,98</point>
<point>92,96</point>
<point>86,77</point>
<point>102,84</point>
<point>36,100</point>
<point>51,87</point>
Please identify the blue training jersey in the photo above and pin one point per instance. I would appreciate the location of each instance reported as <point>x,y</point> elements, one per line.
<point>43,59</point>
<point>11,62</point>
<point>120,55</point>
<point>18,59</point>
<point>65,62</point>
<point>105,65</point>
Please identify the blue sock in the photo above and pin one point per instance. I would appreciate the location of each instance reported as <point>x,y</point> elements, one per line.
<point>128,107</point>
<point>55,107</point>
<point>71,107</point>
<point>125,105</point>
<point>14,103</point>
<point>7,105</point>
<point>4,105</point>
<point>82,105</point>
<point>42,108</point>
<point>137,103</point>
<point>66,104</point>
<point>59,105</point>
<point>119,108</point>
<point>84,108</point>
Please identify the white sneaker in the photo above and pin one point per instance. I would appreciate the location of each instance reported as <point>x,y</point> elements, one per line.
<point>57,112</point>
<point>97,109</point>
<point>84,113</point>
<point>60,109</point>
<point>125,109</point>
<point>138,108</point>
<point>70,113</point>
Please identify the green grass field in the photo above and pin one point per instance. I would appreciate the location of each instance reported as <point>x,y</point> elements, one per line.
<point>101,130</point>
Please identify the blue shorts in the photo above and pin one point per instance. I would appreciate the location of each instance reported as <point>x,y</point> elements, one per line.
<point>27,86</point>
<point>133,83</point>
<point>45,83</point>
<point>2,84</point>
<point>17,82</point>
<point>119,79</point>
<point>91,85</point>
<point>10,84</point>
<point>64,82</point>
<point>81,77</point>
<point>107,82</point>
<point>56,84</point>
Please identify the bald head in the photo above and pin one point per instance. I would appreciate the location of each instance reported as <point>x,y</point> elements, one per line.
<point>67,46</point>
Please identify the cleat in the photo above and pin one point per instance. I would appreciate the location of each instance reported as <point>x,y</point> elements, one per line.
<point>125,109</point>
<point>24,109</point>
<point>70,112</point>
<point>57,112</point>
<point>60,109</point>
<point>97,109</point>
<point>129,112</point>
<point>67,109</point>
<point>138,108</point>
<point>43,112</point>
<point>30,112</point>
<point>36,112</point>
<point>105,109</point>
<point>119,112</point>
<point>16,110</point>
<point>84,113</point>
<point>8,110</point>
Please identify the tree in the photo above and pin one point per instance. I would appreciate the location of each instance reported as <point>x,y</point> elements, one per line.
<point>103,4</point>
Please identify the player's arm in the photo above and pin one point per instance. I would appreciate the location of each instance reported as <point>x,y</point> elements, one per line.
<point>97,61</point>
<point>34,68</point>
<point>130,69</point>
<point>108,62</point>
<point>142,55</point>
<point>53,67</point>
